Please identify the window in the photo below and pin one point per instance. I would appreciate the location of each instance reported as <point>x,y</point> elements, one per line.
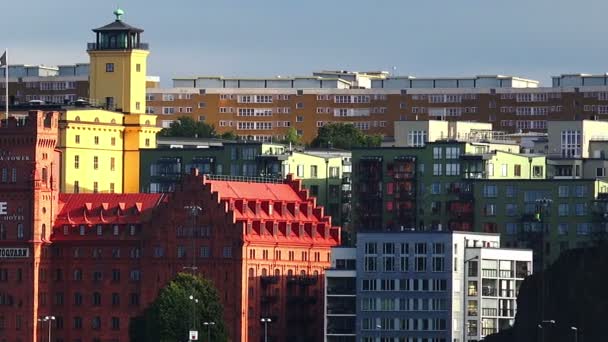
<point>76,187</point>
<point>227,252</point>
<point>76,162</point>
<point>563,191</point>
<point>537,171</point>
<point>511,209</point>
<point>563,209</point>
<point>452,169</point>
<point>490,169</point>
<point>562,229</point>
<point>438,264</point>
<point>116,320</point>
<point>109,67</point>
<point>95,163</point>
<point>581,190</point>
<point>20,232</point>
<point>437,168</point>
<point>420,264</point>
<point>436,188</point>
<point>95,187</point>
<point>490,209</point>
<point>300,171</point>
<point>96,140</point>
<point>299,118</point>
<point>580,209</point>
<point>113,141</point>
<point>313,171</point>
<point>517,170</point>
<point>490,191</point>
<point>583,229</point>
<point>571,143</point>
<point>504,170</point>
<point>417,138</point>
<point>137,67</point>
<point>77,139</point>
<point>437,152</point>
<point>77,322</point>
<point>511,228</point>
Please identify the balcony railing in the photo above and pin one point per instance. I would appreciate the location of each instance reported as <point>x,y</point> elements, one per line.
<point>506,273</point>
<point>506,312</point>
<point>507,293</point>
<point>489,312</point>
<point>138,46</point>
<point>488,331</point>
<point>488,291</point>
<point>489,273</point>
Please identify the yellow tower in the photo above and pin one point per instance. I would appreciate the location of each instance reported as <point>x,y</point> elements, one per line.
<point>118,67</point>
<point>100,148</point>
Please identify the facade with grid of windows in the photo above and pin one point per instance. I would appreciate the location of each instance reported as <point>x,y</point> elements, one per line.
<point>436,286</point>
<point>518,195</point>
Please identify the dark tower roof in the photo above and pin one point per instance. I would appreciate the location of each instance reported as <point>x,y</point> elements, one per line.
<point>118,25</point>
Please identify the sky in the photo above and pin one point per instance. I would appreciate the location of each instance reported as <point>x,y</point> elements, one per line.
<point>535,39</point>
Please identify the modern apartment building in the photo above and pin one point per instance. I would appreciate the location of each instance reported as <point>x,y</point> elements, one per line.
<point>532,199</point>
<point>341,296</point>
<point>435,286</point>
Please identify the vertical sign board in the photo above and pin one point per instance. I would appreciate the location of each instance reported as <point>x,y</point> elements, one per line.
<point>193,335</point>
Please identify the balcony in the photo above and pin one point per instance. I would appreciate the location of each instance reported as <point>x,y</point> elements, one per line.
<point>302,280</point>
<point>138,46</point>
<point>506,273</point>
<point>489,312</point>
<point>488,331</point>
<point>489,273</point>
<point>488,291</point>
<point>269,280</point>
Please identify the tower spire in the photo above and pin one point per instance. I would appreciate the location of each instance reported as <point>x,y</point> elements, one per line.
<point>118,13</point>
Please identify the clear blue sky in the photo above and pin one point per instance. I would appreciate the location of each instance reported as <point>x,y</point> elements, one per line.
<point>529,38</point>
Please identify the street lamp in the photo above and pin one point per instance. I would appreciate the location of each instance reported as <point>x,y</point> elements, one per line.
<point>48,319</point>
<point>266,320</point>
<point>194,302</point>
<point>541,328</point>
<point>575,331</point>
<point>208,325</point>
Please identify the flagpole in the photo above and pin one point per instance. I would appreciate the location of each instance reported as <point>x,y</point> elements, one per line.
<point>6,85</point>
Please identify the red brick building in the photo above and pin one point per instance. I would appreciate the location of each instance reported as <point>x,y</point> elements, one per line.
<point>264,246</point>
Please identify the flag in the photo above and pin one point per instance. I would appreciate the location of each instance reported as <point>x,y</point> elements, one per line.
<point>3,59</point>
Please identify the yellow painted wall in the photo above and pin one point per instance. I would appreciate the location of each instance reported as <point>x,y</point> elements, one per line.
<point>140,133</point>
<point>125,83</point>
<point>86,125</point>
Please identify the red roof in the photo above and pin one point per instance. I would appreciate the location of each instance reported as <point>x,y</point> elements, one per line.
<point>253,191</point>
<point>91,209</point>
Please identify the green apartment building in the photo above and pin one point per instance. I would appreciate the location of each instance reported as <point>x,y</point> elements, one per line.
<point>162,168</point>
<point>452,185</point>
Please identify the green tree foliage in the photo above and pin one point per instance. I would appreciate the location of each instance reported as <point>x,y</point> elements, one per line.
<point>291,137</point>
<point>345,136</point>
<point>173,313</point>
<point>186,127</point>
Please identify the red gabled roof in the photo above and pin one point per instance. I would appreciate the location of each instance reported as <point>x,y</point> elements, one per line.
<point>92,209</point>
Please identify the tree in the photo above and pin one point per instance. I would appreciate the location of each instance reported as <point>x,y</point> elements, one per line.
<point>185,126</point>
<point>345,136</point>
<point>230,135</point>
<point>173,313</point>
<point>291,137</point>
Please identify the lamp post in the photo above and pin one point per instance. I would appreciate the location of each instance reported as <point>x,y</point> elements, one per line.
<point>48,319</point>
<point>194,302</point>
<point>208,325</point>
<point>541,327</point>
<point>575,331</point>
<point>266,320</point>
